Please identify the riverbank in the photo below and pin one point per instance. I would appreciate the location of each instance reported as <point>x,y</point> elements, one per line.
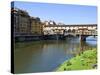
<point>85,61</point>
<point>23,38</point>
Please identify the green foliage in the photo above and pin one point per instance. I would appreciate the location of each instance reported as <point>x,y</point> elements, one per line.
<point>89,54</point>
<point>64,69</point>
<point>69,63</point>
<point>81,62</point>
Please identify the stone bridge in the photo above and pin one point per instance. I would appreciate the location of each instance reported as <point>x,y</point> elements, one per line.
<point>82,30</point>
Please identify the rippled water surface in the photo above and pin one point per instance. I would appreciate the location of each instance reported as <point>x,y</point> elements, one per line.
<point>44,56</point>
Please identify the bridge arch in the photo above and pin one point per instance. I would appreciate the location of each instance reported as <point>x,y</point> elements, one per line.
<point>69,30</point>
<point>73,30</point>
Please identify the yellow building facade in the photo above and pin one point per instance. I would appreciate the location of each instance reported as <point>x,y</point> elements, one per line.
<point>36,26</point>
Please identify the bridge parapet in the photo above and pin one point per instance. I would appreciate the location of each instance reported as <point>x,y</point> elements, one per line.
<point>88,29</point>
<point>70,32</point>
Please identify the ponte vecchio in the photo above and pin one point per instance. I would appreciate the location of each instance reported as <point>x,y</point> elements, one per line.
<point>82,30</point>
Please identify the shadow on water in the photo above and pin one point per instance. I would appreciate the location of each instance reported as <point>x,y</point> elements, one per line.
<point>45,56</point>
<point>89,44</point>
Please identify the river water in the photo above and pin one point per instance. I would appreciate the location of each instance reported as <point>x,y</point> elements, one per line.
<point>46,56</point>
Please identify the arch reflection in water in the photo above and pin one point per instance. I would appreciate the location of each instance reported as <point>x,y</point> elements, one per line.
<point>44,56</point>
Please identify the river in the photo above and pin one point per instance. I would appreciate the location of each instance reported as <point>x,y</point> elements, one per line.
<point>46,56</point>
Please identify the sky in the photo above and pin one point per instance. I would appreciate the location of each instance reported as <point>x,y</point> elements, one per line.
<point>60,13</point>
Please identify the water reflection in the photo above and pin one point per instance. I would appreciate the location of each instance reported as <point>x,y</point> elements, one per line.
<point>44,56</point>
